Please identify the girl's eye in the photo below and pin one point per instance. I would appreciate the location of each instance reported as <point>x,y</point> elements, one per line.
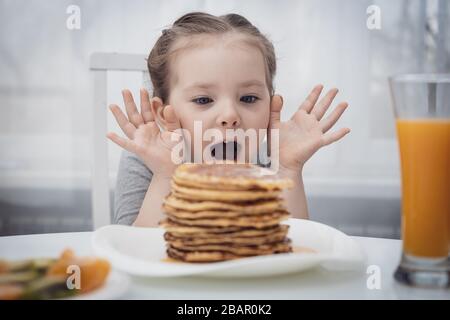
<point>202,100</point>
<point>249,99</point>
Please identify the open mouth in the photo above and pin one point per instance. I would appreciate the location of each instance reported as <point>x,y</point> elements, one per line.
<point>226,150</point>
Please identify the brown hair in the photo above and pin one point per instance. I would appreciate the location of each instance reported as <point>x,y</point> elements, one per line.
<point>196,23</point>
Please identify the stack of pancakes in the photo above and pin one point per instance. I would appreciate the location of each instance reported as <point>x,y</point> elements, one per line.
<point>219,212</point>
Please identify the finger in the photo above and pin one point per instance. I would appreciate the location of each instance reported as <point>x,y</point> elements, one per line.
<point>154,129</point>
<point>133,115</point>
<point>146,111</point>
<point>329,121</point>
<point>127,127</point>
<point>275,112</point>
<point>312,98</point>
<point>122,142</point>
<point>169,137</point>
<point>275,109</point>
<point>172,122</point>
<point>334,136</point>
<point>323,105</point>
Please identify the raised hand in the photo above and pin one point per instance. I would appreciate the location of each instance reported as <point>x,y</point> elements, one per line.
<point>307,130</point>
<point>143,136</point>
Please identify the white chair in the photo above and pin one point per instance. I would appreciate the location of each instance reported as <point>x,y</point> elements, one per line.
<point>100,64</point>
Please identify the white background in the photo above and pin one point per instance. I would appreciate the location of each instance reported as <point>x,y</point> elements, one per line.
<point>45,101</point>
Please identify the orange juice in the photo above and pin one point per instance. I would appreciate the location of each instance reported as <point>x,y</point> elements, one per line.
<point>425,163</point>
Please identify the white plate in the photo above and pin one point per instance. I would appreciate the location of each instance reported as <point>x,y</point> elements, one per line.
<point>142,252</point>
<point>115,287</point>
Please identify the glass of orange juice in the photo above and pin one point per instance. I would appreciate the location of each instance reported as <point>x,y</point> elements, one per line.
<point>422,111</point>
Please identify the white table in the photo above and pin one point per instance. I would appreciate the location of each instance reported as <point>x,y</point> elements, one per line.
<point>314,284</point>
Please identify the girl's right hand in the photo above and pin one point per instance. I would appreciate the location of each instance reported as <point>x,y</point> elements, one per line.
<point>144,137</point>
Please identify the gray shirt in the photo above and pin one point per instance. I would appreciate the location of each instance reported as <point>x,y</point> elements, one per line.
<point>133,180</point>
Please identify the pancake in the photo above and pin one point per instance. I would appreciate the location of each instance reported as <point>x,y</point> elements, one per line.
<point>236,176</point>
<point>198,256</point>
<point>172,226</point>
<point>182,214</point>
<point>224,239</point>
<point>249,250</point>
<point>201,233</point>
<point>213,256</point>
<point>225,196</point>
<point>249,207</point>
<point>258,222</point>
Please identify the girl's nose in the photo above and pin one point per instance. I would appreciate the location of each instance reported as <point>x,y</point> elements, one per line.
<point>228,118</point>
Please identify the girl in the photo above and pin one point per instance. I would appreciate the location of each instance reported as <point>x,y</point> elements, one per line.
<point>217,70</point>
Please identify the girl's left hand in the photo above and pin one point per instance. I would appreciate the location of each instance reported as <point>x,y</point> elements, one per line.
<point>307,130</point>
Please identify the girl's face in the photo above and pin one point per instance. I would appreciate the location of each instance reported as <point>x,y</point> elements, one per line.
<point>221,83</point>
